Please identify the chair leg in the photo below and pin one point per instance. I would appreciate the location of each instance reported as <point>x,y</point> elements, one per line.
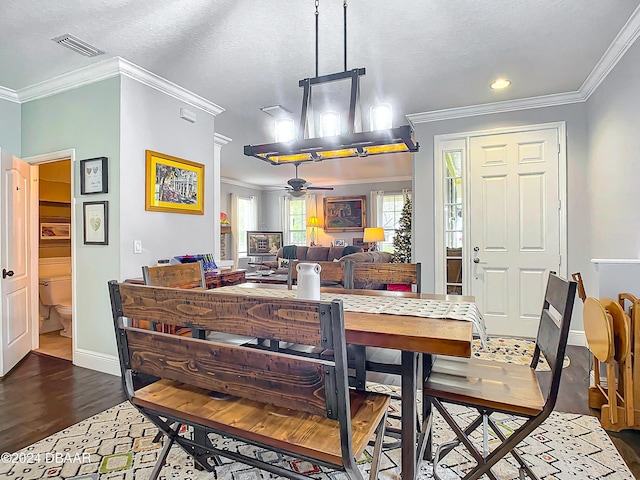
<point>377,449</point>
<point>464,439</point>
<point>164,452</point>
<point>524,468</point>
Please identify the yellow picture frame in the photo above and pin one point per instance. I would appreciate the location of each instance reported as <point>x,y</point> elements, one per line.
<point>173,184</point>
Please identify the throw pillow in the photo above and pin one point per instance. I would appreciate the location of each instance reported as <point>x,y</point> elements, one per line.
<point>283,263</point>
<point>349,249</point>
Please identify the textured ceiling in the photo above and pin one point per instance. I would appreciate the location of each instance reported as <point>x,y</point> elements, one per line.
<point>420,56</point>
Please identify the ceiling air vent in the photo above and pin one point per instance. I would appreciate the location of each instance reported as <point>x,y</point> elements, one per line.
<point>77,45</point>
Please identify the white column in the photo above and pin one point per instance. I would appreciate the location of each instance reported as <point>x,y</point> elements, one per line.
<point>218,142</point>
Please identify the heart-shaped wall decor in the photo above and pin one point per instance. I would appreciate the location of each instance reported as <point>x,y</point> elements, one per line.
<point>95,223</point>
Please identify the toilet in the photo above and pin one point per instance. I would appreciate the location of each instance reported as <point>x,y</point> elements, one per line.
<point>56,292</point>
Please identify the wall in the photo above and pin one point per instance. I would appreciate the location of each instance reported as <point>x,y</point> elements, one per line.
<point>272,206</point>
<point>88,120</point>
<point>578,196</point>
<point>150,120</point>
<point>614,162</point>
<point>10,113</point>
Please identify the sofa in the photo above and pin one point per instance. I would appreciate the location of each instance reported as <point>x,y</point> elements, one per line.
<point>327,254</point>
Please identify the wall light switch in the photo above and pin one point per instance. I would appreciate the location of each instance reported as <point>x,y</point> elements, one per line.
<point>137,246</point>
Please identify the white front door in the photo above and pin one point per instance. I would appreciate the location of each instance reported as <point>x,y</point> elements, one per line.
<point>514,226</point>
<point>14,260</point>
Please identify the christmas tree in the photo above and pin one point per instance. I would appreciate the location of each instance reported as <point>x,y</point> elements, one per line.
<point>402,238</point>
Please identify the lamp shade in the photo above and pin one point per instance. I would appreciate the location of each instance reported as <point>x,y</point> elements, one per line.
<point>374,234</point>
<point>313,222</point>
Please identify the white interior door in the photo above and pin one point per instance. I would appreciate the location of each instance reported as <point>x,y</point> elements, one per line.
<point>515,226</point>
<point>14,259</point>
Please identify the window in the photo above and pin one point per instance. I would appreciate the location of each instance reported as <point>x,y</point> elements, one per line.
<point>389,212</point>
<point>453,226</point>
<point>247,220</point>
<point>297,221</point>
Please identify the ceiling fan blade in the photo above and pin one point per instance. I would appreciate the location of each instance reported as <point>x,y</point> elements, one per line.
<point>319,188</point>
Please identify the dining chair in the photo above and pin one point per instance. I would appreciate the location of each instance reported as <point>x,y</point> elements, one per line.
<point>496,387</point>
<point>331,273</point>
<point>187,275</point>
<point>182,275</point>
<point>364,275</point>
<point>360,275</point>
<point>372,359</point>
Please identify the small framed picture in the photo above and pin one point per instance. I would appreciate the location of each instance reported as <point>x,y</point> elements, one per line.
<point>55,231</point>
<point>339,242</point>
<point>94,176</point>
<point>95,216</point>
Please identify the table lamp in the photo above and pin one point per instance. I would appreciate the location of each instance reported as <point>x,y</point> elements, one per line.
<point>373,235</point>
<point>313,222</point>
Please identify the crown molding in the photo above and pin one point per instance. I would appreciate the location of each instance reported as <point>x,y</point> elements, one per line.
<point>110,68</point>
<point>68,81</point>
<point>240,183</point>
<point>359,181</point>
<point>497,107</point>
<point>625,38</point>
<point>332,183</point>
<point>220,139</point>
<point>8,94</point>
<point>152,80</point>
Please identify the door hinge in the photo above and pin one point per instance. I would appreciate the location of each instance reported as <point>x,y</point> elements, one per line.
<point>558,148</point>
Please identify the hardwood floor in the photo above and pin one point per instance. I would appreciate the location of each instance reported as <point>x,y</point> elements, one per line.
<point>43,395</point>
<point>55,345</point>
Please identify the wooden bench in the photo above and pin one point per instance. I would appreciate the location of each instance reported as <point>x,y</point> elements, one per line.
<point>295,405</point>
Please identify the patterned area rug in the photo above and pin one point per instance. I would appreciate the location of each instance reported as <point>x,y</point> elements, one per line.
<point>511,350</point>
<point>117,444</point>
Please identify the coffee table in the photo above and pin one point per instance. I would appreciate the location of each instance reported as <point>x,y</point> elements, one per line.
<point>277,278</point>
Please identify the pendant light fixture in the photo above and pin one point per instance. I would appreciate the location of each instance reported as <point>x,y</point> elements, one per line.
<point>353,143</point>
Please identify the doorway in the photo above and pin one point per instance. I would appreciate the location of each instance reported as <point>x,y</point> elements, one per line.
<point>54,243</point>
<point>501,220</point>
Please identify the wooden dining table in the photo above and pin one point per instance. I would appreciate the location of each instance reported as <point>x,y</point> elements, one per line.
<point>413,336</point>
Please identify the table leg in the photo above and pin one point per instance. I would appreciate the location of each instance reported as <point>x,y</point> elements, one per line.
<point>427,362</point>
<point>409,413</point>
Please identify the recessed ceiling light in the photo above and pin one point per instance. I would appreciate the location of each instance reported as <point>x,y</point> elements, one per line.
<point>500,83</point>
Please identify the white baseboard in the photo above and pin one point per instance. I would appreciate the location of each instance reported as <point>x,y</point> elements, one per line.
<point>97,361</point>
<point>577,338</point>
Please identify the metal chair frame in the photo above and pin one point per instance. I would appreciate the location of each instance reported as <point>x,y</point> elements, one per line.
<point>551,341</point>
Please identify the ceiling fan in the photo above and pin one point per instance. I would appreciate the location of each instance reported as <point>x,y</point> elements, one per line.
<point>299,186</point>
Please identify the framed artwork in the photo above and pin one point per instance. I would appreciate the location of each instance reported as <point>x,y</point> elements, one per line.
<point>95,219</point>
<point>359,242</point>
<point>263,243</point>
<point>344,214</point>
<point>94,175</point>
<point>55,231</point>
<point>339,242</point>
<point>173,184</point>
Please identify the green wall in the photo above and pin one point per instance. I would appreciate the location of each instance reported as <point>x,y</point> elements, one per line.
<point>10,126</point>
<point>86,119</point>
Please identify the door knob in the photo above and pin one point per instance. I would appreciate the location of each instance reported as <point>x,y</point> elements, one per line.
<point>476,260</point>
<point>7,273</point>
